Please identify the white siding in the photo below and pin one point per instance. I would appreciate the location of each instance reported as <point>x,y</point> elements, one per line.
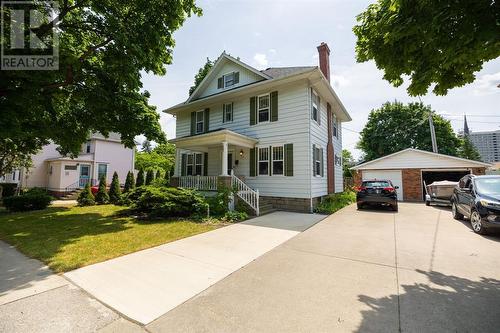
<point>319,137</point>
<point>246,77</point>
<point>337,148</point>
<point>116,156</point>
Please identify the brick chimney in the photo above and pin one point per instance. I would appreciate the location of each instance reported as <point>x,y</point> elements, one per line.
<point>324,59</point>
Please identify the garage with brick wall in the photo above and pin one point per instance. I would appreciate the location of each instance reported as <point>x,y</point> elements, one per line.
<point>408,169</point>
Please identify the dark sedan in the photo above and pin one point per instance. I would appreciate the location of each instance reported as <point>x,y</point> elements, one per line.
<point>377,192</point>
<point>478,198</point>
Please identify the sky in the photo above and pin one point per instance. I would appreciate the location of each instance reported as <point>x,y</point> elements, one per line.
<point>286,33</point>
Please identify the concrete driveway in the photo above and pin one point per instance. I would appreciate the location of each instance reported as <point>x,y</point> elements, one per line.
<point>146,284</point>
<point>369,271</point>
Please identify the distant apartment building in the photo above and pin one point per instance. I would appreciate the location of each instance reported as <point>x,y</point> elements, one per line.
<point>488,145</point>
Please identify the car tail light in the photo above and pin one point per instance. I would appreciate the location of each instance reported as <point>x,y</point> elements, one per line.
<point>361,188</point>
<point>389,189</point>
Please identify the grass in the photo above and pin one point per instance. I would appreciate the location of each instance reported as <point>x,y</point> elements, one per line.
<point>335,202</point>
<point>66,238</point>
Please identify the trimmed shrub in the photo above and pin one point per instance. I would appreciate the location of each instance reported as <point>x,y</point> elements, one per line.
<point>334,202</point>
<point>166,202</point>
<point>86,198</point>
<point>150,176</point>
<point>219,204</point>
<point>33,199</point>
<point>114,190</point>
<point>129,182</point>
<point>102,196</point>
<point>140,178</point>
<point>235,216</point>
<point>8,189</point>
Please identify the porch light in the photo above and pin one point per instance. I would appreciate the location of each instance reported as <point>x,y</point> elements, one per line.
<point>241,153</point>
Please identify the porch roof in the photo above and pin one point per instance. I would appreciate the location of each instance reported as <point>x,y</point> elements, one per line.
<point>215,138</point>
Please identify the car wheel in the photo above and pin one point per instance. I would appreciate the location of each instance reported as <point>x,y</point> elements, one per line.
<point>455,213</point>
<point>395,207</point>
<point>360,206</point>
<point>476,223</point>
<point>427,203</point>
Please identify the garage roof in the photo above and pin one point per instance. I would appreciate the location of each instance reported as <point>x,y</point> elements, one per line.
<point>411,158</point>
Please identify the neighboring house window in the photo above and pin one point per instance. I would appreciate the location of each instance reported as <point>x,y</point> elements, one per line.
<point>102,170</point>
<point>87,147</point>
<point>278,160</point>
<point>263,108</point>
<point>335,127</point>
<point>70,167</point>
<point>315,106</point>
<point>263,161</point>
<point>317,161</point>
<point>227,116</point>
<point>194,164</point>
<point>200,122</point>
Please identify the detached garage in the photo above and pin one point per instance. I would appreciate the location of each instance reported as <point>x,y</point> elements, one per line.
<point>409,168</point>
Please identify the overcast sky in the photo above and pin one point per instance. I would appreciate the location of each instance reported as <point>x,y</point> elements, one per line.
<point>286,33</point>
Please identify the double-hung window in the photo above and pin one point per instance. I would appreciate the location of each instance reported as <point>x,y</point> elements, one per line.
<point>317,161</point>
<point>198,160</point>
<point>315,107</point>
<point>278,160</point>
<point>194,164</point>
<point>102,170</point>
<point>200,122</point>
<point>229,79</point>
<point>263,108</point>
<point>335,127</point>
<point>189,164</point>
<point>263,161</point>
<point>227,116</point>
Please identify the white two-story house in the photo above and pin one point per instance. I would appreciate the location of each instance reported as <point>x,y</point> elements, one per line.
<point>99,156</point>
<point>275,134</point>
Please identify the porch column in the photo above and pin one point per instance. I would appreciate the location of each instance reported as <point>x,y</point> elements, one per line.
<point>224,159</point>
<point>177,164</point>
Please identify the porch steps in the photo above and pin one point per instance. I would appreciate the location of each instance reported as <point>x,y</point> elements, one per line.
<point>73,195</point>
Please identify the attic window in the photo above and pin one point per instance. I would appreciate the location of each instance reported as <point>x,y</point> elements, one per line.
<point>228,80</point>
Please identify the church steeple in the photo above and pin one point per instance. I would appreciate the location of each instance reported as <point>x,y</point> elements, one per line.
<point>466,127</point>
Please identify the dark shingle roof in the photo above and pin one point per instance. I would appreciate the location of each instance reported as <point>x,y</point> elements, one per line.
<point>277,72</point>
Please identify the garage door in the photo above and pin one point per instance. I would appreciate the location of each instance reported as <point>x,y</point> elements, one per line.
<point>393,175</point>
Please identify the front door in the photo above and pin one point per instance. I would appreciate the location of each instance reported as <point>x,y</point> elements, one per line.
<point>84,174</point>
<point>229,163</point>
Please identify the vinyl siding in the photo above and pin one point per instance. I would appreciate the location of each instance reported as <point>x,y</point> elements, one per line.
<point>337,149</point>
<point>319,137</point>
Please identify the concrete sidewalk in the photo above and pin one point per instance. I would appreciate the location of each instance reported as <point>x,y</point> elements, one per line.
<point>147,284</point>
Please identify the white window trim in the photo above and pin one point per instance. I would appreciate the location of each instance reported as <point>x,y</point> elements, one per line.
<point>335,126</point>
<point>313,104</point>
<point>194,164</point>
<point>268,109</point>
<point>259,160</point>
<point>224,79</point>
<point>282,160</point>
<point>224,120</point>
<point>202,121</point>
<point>319,148</point>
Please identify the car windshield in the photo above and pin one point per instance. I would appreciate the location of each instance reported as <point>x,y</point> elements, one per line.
<point>488,186</point>
<point>376,183</point>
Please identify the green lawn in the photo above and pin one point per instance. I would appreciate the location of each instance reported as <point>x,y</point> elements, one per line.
<point>66,238</point>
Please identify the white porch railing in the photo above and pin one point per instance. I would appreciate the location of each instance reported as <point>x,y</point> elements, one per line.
<point>200,183</point>
<point>247,194</point>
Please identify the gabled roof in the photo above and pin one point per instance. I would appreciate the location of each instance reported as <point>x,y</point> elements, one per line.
<point>412,158</point>
<point>215,68</point>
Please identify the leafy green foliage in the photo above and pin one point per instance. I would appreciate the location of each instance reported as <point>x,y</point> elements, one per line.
<point>146,146</point>
<point>434,42</point>
<point>219,203</point>
<point>235,216</point>
<point>7,189</point>
<point>129,182</point>
<point>150,176</point>
<point>202,72</point>
<point>162,157</point>
<point>140,178</point>
<point>86,198</point>
<point>115,191</point>
<point>468,150</point>
<point>165,202</point>
<point>104,47</point>
<point>32,199</point>
<point>158,174</point>
<point>16,152</point>
<point>347,162</point>
<point>335,202</point>
<point>396,126</point>
<point>102,197</point>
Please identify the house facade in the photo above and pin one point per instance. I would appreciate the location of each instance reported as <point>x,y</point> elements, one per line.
<point>275,132</point>
<point>99,156</point>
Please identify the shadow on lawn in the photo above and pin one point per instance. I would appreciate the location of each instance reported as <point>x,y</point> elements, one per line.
<point>445,303</point>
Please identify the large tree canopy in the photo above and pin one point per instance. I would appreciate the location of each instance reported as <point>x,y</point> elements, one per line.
<point>441,42</point>
<point>104,47</point>
<point>162,157</point>
<point>396,126</point>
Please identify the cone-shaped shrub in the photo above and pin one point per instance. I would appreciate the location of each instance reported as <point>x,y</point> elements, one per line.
<point>114,190</point>
<point>102,196</point>
<point>158,174</point>
<point>129,182</point>
<point>86,198</point>
<point>140,178</point>
<point>150,176</point>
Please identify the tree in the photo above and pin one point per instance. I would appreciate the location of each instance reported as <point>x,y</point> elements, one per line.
<point>162,157</point>
<point>86,198</point>
<point>347,163</point>
<point>150,176</point>
<point>396,126</point>
<point>129,182</point>
<point>202,72</point>
<point>468,150</point>
<point>15,154</point>
<point>104,47</point>
<point>140,178</point>
<point>102,196</point>
<point>434,42</point>
<point>146,146</point>
<point>114,190</point>
<point>158,174</point>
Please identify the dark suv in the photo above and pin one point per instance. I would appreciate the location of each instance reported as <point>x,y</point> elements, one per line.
<point>380,192</point>
<point>478,198</point>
